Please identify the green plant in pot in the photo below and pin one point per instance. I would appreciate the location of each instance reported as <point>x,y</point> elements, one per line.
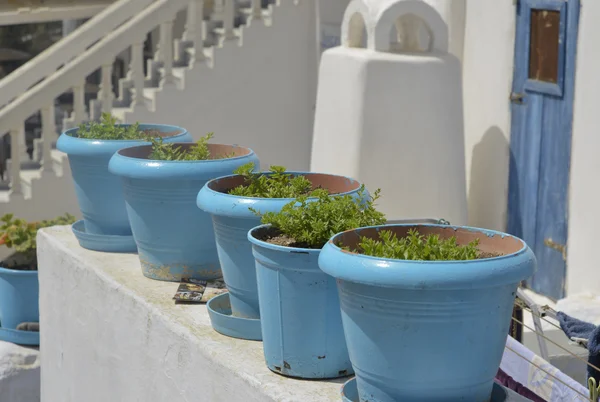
<point>231,201</point>
<point>417,299</point>
<point>160,183</point>
<point>299,306</point>
<point>19,277</point>
<point>105,226</point>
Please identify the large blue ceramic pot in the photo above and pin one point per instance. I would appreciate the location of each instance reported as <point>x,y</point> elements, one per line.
<point>19,292</point>
<point>174,238</point>
<point>99,193</point>
<point>427,330</point>
<point>232,220</point>
<point>299,312</point>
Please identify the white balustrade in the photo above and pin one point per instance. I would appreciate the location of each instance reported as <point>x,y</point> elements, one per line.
<point>228,18</point>
<point>257,8</point>
<point>79,115</point>
<point>46,63</point>
<point>106,93</point>
<point>137,73</point>
<point>195,28</point>
<point>16,134</point>
<point>48,135</point>
<point>166,50</point>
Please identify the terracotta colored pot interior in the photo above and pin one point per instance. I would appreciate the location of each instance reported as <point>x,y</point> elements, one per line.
<point>331,183</point>
<point>496,244</point>
<point>216,150</point>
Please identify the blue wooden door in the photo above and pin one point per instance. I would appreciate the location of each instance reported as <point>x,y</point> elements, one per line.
<point>540,143</point>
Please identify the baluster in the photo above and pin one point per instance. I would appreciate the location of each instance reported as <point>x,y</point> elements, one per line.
<point>166,51</point>
<point>194,28</point>
<point>257,8</point>
<point>228,17</point>
<point>106,93</point>
<point>79,115</point>
<point>48,135</point>
<point>137,71</point>
<point>15,159</point>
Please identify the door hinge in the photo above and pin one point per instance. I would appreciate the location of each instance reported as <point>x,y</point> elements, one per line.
<point>517,98</point>
<point>548,242</point>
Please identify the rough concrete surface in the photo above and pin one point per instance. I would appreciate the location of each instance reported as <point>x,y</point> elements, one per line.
<point>110,334</point>
<point>19,373</point>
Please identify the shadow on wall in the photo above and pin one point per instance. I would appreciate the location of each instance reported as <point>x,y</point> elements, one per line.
<point>488,186</point>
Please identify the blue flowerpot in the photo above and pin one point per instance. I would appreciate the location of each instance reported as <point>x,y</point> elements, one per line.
<point>427,330</point>
<point>99,192</point>
<point>299,312</point>
<point>174,238</point>
<point>19,291</point>
<point>232,220</point>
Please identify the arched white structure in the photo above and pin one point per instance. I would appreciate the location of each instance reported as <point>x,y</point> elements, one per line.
<point>392,118</point>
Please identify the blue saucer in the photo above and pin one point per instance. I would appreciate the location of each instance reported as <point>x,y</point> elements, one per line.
<point>107,243</point>
<point>28,338</point>
<point>499,393</point>
<point>219,311</point>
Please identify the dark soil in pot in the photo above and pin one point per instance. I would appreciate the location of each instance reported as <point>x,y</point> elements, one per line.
<point>19,262</point>
<point>274,236</point>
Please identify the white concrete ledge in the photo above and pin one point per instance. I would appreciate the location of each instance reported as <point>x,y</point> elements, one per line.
<point>19,373</point>
<point>110,334</point>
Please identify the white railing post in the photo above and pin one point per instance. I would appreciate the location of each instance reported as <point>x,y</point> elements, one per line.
<point>106,94</point>
<point>257,8</point>
<point>48,135</point>
<point>15,159</point>
<point>228,18</point>
<point>194,28</point>
<point>166,51</point>
<point>137,72</point>
<point>79,114</point>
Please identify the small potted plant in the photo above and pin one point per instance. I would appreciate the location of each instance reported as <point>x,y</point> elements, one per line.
<point>299,306</point>
<point>229,199</point>
<point>19,277</point>
<point>426,308</point>
<point>99,193</point>
<point>160,183</point>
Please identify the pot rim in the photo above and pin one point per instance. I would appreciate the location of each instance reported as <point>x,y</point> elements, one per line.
<point>207,188</point>
<point>156,162</point>
<point>428,275</point>
<point>17,272</point>
<point>276,247</point>
<point>486,232</point>
<point>182,132</point>
<point>148,169</point>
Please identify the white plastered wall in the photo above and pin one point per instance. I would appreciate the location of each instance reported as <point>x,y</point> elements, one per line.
<point>584,193</point>
<point>487,79</point>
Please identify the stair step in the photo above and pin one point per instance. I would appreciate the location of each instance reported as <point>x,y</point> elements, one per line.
<point>221,32</point>
<point>27,178</point>
<point>58,161</point>
<point>248,12</point>
<point>178,75</point>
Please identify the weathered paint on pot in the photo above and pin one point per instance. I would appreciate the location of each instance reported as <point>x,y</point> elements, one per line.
<point>19,292</point>
<point>232,220</point>
<point>299,312</point>
<point>174,238</point>
<point>100,193</point>
<point>427,330</point>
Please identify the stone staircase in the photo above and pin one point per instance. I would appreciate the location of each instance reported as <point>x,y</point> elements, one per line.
<point>211,63</point>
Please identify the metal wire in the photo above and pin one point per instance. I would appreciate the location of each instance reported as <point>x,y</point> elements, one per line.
<point>547,372</point>
<point>554,343</point>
